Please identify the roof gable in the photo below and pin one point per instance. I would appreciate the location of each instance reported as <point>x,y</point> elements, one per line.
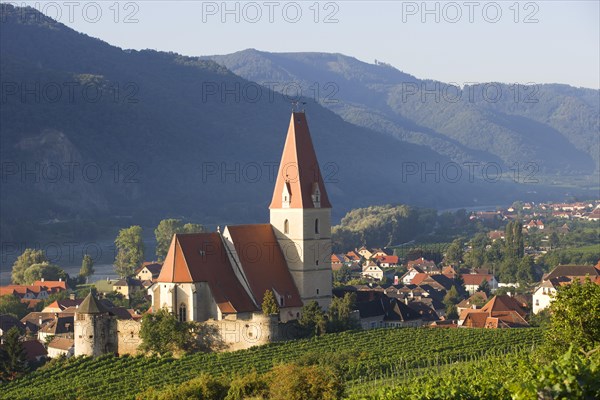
<point>201,257</point>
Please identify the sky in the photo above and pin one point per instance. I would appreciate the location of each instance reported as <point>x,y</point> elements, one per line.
<point>458,42</point>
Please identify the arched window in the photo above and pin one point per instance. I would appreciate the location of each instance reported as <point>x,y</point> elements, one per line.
<point>286,227</point>
<point>182,312</point>
<point>317,226</point>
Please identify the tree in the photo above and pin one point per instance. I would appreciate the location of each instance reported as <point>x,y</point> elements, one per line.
<point>340,313</point>
<point>554,240</point>
<point>484,287</point>
<point>342,276</point>
<point>164,234</point>
<point>575,318</point>
<point>23,262</point>
<point>269,305</point>
<point>451,312</point>
<point>12,305</point>
<point>525,270</point>
<point>454,253</point>
<point>313,319</point>
<point>45,270</point>
<point>452,297</point>
<point>312,382</point>
<point>513,240</point>
<point>166,229</point>
<point>130,250</point>
<point>14,359</point>
<point>162,332</point>
<point>193,228</point>
<point>87,266</point>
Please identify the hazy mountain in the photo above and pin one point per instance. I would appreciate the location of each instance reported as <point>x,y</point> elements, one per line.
<point>554,126</point>
<point>89,131</point>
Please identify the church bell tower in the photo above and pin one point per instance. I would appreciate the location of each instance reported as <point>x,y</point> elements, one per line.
<point>301,215</point>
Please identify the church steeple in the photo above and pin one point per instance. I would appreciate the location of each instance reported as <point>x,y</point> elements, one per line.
<point>299,181</point>
<point>301,215</point>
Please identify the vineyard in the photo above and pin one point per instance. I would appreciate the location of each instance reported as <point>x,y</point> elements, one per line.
<point>370,355</point>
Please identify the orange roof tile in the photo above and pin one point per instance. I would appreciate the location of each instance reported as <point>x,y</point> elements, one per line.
<point>299,168</point>
<point>263,262</point>
<point>419,278</point>
<point>201,257</point>
<point>503,303</point>
<point>475,279</point>
<point>52,284</point>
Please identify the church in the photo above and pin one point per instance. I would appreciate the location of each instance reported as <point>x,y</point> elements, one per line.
<point>221,277</point>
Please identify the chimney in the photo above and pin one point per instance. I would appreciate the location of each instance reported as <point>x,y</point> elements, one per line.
<point>42,279</point>
<point>60,279</point>
<point>72,296</point>
<point>40,321</point>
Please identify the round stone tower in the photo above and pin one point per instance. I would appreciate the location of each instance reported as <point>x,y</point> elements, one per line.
<point>95,329</point>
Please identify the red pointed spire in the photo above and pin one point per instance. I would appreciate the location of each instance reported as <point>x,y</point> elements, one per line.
<point>299,170</point>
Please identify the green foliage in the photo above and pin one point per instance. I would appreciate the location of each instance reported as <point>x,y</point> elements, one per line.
<point>452,297</point>
<point>45,270</point>
<point>381,226</point>
<point>162,332</point>
<point>571,376</point>
<point>13,357</point>
<point>12,305</point>
<point>204,387</point>
<point>339,313</point>
<point>513,240</point>
<point>269,305</point>
<point>454,253</point>
<point>23,262</point>
<point>484,287</point>
<point>251,385</point>
<point>87,266</point>
<point>118,299</point>
<point>314,382</point>
<point>575,318</point>
<point>166,229</point>
<point>342,276</point>
<point>130,250</point>
<point>138,300</point>
<point>313,319</point>
<point>375,354</point>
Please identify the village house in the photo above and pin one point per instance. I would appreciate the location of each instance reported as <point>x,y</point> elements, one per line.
<point>410,274</point>
<point>473,281</point>
<point>561,275</point>
<point>426,266</point>
<point>149,271</point>
<point>127,286</point>
<point>61,346</point>
<point>500,312</point>
<point>496,235</point>
<point>337,261</point>
<point>364,253</point>
<point>372,270</point>
<point>475,301</point>
<point>386,261</point>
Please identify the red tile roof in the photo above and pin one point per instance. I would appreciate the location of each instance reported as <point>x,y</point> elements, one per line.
<point>502,304</point>
<point>52,284</point>
<point>475,279</point>
<point>263,262</point>
<point>299,168</point>
<point>418,278</point>
<point>201,257</point>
